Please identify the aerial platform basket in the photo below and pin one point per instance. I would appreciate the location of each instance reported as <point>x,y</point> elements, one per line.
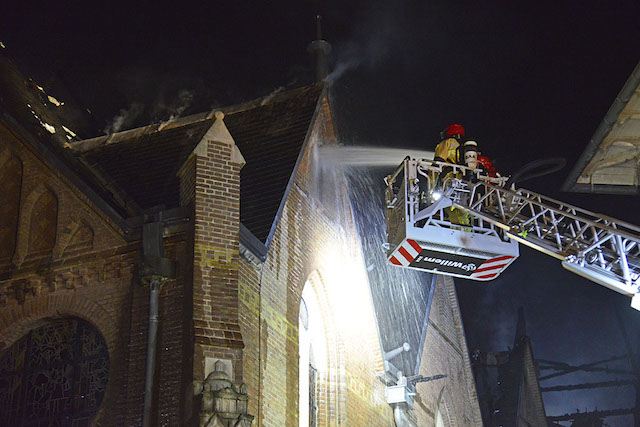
<point>479,237</point>
<point>422,236</point>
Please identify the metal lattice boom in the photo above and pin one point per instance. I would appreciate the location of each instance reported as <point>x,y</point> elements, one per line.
<point>600,248</point>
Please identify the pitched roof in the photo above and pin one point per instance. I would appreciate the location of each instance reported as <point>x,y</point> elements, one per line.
<point>270,133</point>
<point>609,163</point>
<point>520,397</point>
<point>29,104</point>
<point>507,383</point>
<point>30,113</point>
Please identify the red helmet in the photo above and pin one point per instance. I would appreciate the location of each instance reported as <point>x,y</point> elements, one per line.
<point>453,129</point>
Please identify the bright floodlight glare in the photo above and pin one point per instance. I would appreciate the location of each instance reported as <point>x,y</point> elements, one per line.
<point>344,274</point>
<point>436,195</point>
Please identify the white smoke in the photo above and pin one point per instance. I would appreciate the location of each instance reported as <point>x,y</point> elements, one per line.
<point>375,36</point>
<point>182,102</point>
<point>160,111</point>
<point>124,118</point>
<point>273,93</point>
<point>165,111</point>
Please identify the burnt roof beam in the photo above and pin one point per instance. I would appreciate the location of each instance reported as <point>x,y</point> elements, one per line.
<point>601,414</point>
<point>569,369</point>
<point>602,384</point>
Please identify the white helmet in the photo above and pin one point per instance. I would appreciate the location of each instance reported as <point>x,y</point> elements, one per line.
<point>471,154</point>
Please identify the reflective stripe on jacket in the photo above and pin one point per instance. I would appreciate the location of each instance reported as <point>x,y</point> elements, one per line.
<point>448,150</point>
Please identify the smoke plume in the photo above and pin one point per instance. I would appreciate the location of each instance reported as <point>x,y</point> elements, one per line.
<point>137,114</point>
<point>377,34</point>
<point>125,118</point>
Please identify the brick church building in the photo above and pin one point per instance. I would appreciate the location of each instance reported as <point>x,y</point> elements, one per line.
<point>207,270</point>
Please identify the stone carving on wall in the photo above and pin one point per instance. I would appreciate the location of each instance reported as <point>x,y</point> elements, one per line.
<point>75,236</point>
<point>21,289</point>
<point>48,281</point>
<point>222,404</point>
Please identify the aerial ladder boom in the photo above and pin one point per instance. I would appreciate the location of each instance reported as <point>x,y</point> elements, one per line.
<point>453,220</point>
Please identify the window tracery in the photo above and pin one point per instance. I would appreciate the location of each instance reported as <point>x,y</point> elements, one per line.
<point>55,375</point>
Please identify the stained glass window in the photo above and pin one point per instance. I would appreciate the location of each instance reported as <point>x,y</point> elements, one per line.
<point>56,375</point>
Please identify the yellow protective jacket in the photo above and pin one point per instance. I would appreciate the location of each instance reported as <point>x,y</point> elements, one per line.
<point>447,149</point>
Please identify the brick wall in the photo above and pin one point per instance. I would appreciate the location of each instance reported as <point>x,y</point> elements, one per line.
<point>89,272</point>
<point>445,352</point>
<point>312,234</point>
<point>210,180</point>
<point>317,221</point>
<point>221,306</point>
<point>250,325</point>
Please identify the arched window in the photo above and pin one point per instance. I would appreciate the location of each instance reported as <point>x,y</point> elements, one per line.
<point>55,375</point>
<point>439,419</point>
<point>313,363</point>
<point>42,228</point>
<point>10,187</point>
<point>440,411</point>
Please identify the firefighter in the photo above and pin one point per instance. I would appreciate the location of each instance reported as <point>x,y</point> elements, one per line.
<point>473,158</point>
<point>448,148</point>
<point>470,150</point>
<point>487,165</point>
<point>469,157</point>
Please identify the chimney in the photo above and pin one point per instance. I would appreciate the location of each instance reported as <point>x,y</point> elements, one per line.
<point>320,49</point>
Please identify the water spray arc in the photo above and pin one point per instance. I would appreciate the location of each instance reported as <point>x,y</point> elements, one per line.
<point>401,298</point>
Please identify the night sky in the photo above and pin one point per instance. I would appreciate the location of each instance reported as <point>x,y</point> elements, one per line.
<point>527,81</point>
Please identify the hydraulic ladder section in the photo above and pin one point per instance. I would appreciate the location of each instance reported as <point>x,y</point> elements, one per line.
<point>597,247</point>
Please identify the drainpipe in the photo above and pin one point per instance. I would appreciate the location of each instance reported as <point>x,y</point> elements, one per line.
<point>151,349</point>
<point>400,396</point>
<point>400,416</point>
<point>154,271</point>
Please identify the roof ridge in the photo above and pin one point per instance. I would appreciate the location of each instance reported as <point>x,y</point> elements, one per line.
<point>278,95</point>
<point>269,132</point>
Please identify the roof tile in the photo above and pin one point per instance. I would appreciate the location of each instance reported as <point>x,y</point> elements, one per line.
<point>269,132</point>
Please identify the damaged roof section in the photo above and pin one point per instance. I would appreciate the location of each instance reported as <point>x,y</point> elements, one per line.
<point>270,133</point>
<point>611,161</point>
<point>32,114</point>
<point>129,172</point>
<point>31,105</point>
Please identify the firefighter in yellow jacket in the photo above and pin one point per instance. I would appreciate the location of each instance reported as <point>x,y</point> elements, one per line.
<point>448,150</point>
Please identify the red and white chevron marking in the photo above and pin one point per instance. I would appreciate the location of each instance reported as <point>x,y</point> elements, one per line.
<point>491,267</point>
<point>406,253</point>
